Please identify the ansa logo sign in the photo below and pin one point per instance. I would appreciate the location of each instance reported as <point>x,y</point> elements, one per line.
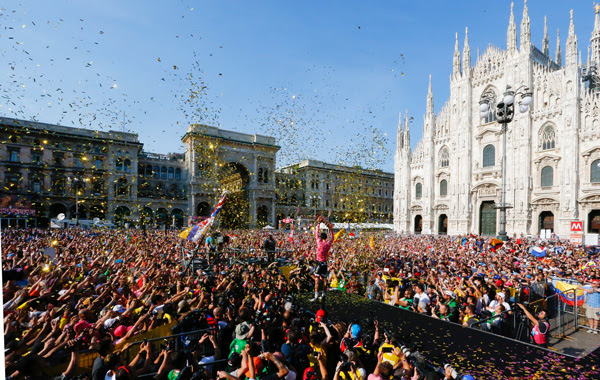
<point>577,226</point>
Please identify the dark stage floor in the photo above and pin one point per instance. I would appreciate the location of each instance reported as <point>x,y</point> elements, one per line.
<point>481,354</point>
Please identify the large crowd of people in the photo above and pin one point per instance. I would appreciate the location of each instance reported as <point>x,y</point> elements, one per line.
<point>70,292</point>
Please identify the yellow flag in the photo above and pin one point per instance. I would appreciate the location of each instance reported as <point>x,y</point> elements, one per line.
<point>184,234</point>
<point>372,243</point>
<point>339,234</point>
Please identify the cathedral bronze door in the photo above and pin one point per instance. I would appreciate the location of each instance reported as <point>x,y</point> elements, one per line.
<point>487,219</point>
<point>546,221</point>
<point>418,224</point>
<point>443,225</point>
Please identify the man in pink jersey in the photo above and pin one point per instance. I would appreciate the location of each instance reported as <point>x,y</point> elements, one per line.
<point>323,247</point>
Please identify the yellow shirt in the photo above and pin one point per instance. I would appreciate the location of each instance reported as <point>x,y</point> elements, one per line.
<point>334,282</point>
<point>312,358</point>
<point>389,357</point>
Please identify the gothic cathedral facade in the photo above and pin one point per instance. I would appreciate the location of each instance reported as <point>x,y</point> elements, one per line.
<point>451,182</point>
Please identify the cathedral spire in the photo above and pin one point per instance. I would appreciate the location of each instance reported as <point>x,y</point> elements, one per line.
<point>400,134</point>
<point>511,34</point>
<point>466,63</point>
<point>558,58</point>
<point>589,58</point>
<point>571,50</point>
<point>546,41</point>
<point>456,61</point>
<point>525,29</point>
<point>406,132</point>
<point>429,99</point>
<point>595,40</point>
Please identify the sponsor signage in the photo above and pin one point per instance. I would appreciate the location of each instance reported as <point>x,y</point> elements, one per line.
<point>576,239</point>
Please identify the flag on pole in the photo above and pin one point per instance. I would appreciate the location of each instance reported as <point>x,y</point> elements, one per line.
<point>201,229</point>
<point>219,205</point>
<point>196,232</point>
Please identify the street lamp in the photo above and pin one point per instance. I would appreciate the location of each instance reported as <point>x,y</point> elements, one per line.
<point>505,111</point>
<point>76,180</point>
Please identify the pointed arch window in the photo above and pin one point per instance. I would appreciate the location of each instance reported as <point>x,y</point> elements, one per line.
<point>547,176</point>
<point>444,158</point>
<point>490,96</point>
<point>548,138</point>
<point>418,191</point>
<point>489,156</point>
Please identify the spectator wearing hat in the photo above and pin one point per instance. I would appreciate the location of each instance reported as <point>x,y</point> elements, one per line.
<point>592,310</point>
<point>449,299</point>
<point>499,300</point>
<point>242,331</point>
<point>352,338</point>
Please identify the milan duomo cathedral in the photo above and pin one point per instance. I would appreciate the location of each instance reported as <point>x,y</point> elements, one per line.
<point>451,182</point>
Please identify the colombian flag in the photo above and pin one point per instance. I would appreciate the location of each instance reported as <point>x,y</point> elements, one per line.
<point>568,293</point>
<point>496,244</point>
<point>590,265</point>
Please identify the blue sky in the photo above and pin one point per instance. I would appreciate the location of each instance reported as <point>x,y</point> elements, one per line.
<point>328,78</point>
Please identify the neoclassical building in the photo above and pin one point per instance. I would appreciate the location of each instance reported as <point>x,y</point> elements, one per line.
<point>243,164</point>
<point>451,182</point>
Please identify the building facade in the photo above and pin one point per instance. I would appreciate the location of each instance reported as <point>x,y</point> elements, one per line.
<point>451,182</point>
<point>47,170</point>
<point>241,163</point>
<point>342,193</point>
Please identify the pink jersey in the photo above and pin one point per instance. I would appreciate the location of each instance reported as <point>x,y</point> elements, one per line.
<point>323,246</point>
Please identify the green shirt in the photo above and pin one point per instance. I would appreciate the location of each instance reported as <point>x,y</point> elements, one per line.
<point>409,304</point>
<point>237,345</point>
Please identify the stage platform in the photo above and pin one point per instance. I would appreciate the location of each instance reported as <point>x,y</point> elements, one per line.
<point>481,354</point>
